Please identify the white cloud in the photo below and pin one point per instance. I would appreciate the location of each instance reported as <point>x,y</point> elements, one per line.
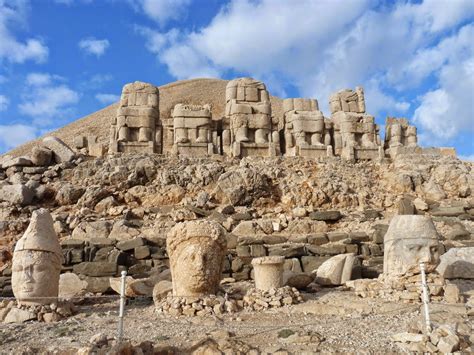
<point>4,102</point>
<point>45,98</point>
<point>16,134</point>
<point>14,12</point>
<point>395,51</point>
<point>161,10</point>
<point>107,98</point>
<point>94,46</point>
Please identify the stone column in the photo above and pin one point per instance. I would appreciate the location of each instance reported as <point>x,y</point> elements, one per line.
<point>268,271</point>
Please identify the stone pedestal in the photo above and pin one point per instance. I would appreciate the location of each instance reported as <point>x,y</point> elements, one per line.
<point>268,272</point>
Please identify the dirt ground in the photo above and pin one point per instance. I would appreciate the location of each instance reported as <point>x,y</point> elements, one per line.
<point>332,320</point>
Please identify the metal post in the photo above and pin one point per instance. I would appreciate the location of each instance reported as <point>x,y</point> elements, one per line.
<point>426,299</point>
<point>122,306</point>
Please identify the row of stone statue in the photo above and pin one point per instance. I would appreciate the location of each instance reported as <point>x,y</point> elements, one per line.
<point>197,250</point>
<point>249,128</point>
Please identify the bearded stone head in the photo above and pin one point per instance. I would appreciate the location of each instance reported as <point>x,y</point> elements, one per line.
<point>410,240</point>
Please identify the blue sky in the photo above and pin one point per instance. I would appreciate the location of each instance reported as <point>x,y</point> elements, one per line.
<point>63,59</point>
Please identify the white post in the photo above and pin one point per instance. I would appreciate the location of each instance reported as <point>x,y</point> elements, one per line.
<point>122,306</point>
<point>426,299</point>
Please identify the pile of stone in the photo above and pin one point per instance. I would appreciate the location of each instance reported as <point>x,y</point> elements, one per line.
<point>443,339</point>
<point>259,300</point>
<point>404,288</point>
<point>12,312</point>
<point>198,306</point>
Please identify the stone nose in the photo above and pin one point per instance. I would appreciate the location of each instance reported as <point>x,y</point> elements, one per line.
<point>28,275</point>
<point>425,256</point>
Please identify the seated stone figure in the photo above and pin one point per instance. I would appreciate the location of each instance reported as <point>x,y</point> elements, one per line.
<point>410,240</point>
<point>136,126</point>
<point>355,133</point>
<point>399,133</point>
<point>196,250</point>
<point>248,110</point>
<point>305,127</point>
<point>192,130</point>
<point>37,260</point>
<point>191,123</point>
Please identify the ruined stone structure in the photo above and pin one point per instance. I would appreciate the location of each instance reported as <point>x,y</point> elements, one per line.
<point>248,126</point>
<point>399,136</point>
<point>307,132</point>
<point>268,272</point>
<point>137,128</point>
<point>356,136</point>
<point>196,250</point>
<point>37,262</point>
<point>192,130</point>
<point>410,240</point>
<point>248,129</point>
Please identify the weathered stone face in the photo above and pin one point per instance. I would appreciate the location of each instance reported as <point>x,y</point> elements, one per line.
<point>410,240</point>
<point>37,262</point>
<point>196,250</point>
<point>35,276</point>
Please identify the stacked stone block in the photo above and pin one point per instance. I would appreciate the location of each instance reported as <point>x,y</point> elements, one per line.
<point>307,132</point>
<point>249,129</point>
<point>356,136</point>
<point>137,128</point>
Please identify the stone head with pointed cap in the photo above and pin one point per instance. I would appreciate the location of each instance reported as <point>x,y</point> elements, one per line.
<point>410,240</point>
<point>37,262</point>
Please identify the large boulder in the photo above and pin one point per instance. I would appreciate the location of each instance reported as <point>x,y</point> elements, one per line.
<point>62,153</point>
<point>457,263</point>
<point>17,194</point>
<point>70,285</point>
<point>69,194</point>
<point>242,186</point>
<point>41,156</point>
<point>337,270</point>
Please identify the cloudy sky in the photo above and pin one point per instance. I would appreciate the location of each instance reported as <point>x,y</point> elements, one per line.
<point>63,59</point>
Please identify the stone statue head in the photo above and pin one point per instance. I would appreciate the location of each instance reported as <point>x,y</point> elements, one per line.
<point>196,250</point>
<point>37,262</point>
<point>410,240</point>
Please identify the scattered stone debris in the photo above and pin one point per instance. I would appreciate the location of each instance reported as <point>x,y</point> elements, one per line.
<point>259,300</point>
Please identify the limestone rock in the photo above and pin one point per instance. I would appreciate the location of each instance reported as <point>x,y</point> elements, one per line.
<point>69,194</point>
<point>95,269</point>
<point>19,161</point>
<point>70,285</point>
<point>161,290</point>
<point>41,156</point>
<point>18,194</point>
<point>331,216</point>
<point>336,270</point>
<point>17,315</point>
<point>62,153</point>
<point>297,280</point>
<point>457,263</point>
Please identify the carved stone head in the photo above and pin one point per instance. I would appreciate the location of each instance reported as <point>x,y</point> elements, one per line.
<point>410,240</point>
<point>196,250</point>
<point>37,262</point>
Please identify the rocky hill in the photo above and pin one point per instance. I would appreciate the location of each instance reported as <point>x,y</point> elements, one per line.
<point>113,213</point>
